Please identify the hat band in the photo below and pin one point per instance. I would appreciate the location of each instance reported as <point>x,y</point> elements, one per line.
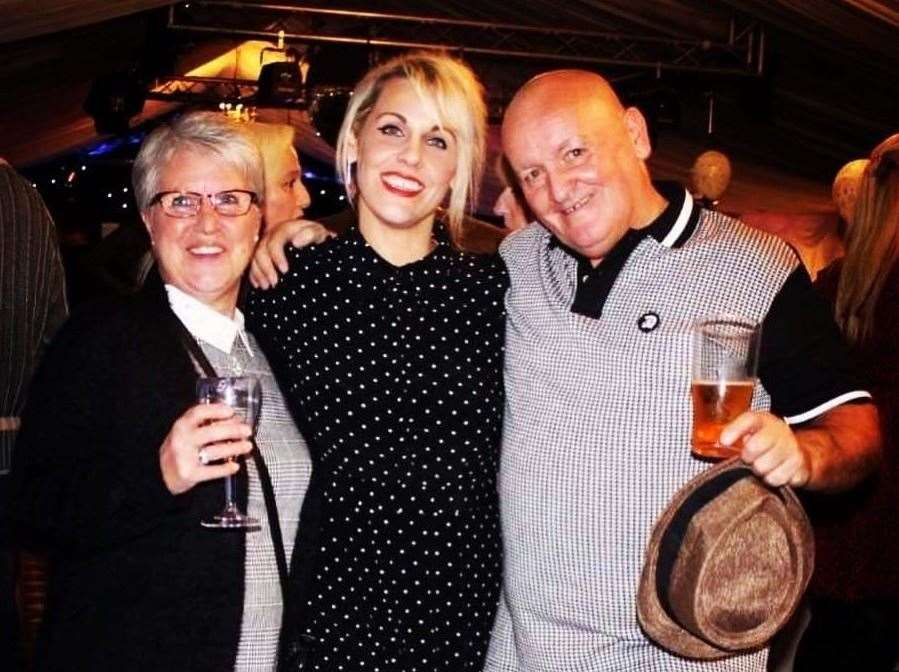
<point>673,538</point>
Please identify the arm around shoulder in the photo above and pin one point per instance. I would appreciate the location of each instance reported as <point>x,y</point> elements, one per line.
<point>270,259</point>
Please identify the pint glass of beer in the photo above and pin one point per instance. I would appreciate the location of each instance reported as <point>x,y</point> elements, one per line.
<point>725,358</point>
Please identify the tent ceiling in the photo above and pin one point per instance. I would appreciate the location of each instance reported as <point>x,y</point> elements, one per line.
<point>829,92</point>
<point>29,18</point>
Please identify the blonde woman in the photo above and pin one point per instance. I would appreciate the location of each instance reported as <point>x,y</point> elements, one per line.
<point>389,340</point>
<point>286,197</point>
<point>855,590</point>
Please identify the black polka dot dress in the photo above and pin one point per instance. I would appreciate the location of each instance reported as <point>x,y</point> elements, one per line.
<point>397,373</point>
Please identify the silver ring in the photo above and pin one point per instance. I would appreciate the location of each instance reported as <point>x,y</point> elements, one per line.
<point>202,456</point>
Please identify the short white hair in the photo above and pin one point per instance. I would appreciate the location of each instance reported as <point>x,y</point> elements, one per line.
<point>205,132</point>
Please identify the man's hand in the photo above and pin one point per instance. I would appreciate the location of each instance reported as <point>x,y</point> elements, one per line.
<point>829,453</point>
<point>769,446</point>
<point>269,259</point>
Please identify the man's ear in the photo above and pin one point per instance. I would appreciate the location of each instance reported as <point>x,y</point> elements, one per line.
<point>635,123</point>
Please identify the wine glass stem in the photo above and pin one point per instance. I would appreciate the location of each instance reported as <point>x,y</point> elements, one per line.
<point>229,491</point>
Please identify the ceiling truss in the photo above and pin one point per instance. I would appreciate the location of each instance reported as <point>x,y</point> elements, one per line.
<point>742,54</point>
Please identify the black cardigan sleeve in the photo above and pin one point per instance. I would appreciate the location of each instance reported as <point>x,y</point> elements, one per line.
<point>86,471</point>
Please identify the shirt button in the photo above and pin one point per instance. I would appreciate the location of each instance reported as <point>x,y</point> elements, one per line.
<point>584,278</point>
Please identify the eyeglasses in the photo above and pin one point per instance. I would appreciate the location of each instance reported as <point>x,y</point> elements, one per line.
<point>230,203</point>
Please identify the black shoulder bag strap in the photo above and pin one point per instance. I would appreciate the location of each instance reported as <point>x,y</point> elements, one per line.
<point>268,492</point>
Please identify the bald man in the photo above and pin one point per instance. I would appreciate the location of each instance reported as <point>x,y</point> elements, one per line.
<point>597,432</point>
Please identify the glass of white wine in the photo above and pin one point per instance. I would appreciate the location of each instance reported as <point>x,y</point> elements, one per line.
<point>243,394</point>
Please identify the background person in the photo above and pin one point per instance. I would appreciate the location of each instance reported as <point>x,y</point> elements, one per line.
<point>32,307</point>
<point>286,197</point>
<point>510,204</point>
<point>389,340</point>
<point>110,475</point>
<point>855,588</point>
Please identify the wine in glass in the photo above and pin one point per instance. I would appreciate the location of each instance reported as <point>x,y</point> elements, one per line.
<point>242,393</point>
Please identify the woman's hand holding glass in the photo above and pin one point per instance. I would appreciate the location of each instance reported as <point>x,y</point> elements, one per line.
<point>198,440</point>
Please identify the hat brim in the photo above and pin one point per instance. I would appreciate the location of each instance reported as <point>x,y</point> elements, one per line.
<point>653,617</point>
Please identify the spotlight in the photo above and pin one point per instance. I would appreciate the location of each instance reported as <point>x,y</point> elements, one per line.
<point>281,82</point>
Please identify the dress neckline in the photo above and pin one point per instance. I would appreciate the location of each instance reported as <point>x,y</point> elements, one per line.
<point>439,251</point>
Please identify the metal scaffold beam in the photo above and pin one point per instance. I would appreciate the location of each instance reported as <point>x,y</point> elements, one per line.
<point>191,89</point>
<point>741,55</point>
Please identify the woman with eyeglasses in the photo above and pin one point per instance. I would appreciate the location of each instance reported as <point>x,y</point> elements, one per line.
<point>117,464</point>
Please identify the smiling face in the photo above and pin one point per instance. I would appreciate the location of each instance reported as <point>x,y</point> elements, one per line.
<point>206,255</point>
<point>405,161</point>
<point>285,196</point>
<point>578,156</point>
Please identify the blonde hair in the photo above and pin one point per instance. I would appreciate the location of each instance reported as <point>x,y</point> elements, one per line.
<point>458,101</point>
<point>872,243</point>
<point>271,140</point>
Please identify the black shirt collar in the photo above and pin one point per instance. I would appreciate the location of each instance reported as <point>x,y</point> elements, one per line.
<point>672,228</point>
<point>677,222</point>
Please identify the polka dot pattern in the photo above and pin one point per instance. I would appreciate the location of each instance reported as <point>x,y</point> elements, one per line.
<point>398,373</point>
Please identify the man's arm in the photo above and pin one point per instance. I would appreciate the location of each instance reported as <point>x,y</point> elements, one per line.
<point>823,442</point>
<point>832,452</point>
<point>842,447</point>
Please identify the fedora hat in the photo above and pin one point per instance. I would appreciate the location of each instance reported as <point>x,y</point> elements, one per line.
<point>726,566</point>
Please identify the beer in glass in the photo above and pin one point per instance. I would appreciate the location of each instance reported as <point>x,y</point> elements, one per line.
<point>725,358</point>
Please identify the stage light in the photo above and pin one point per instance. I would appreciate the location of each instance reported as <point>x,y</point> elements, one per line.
<point>280,83</point>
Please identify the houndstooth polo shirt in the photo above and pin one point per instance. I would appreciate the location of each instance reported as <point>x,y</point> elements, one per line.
<point>596,437</point>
